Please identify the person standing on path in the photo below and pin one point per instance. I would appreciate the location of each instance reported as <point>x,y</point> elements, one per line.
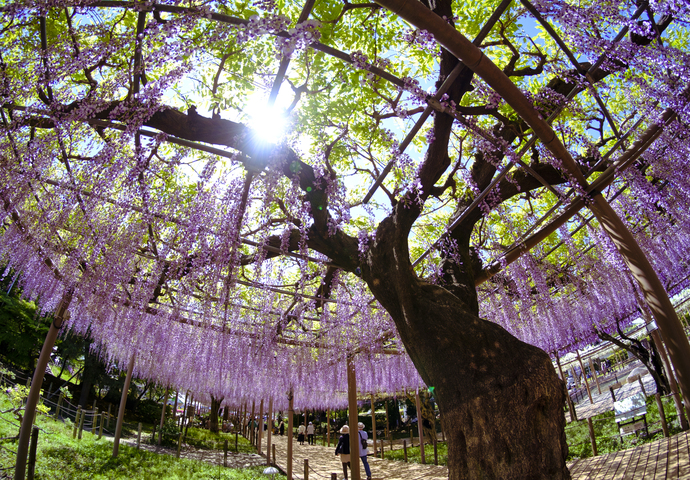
<point>300,434</point>
<point>310,433</point>
<point>282,428</point>
<point>343,448</point>
<point>363,450</point>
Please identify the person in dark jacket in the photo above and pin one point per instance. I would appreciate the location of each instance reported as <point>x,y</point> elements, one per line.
<point>343,448</point>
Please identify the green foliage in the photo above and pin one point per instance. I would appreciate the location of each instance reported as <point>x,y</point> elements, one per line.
<point>21,334</point>
<point>60,456</point>
<point>171,432</point>
<point>202,438</point>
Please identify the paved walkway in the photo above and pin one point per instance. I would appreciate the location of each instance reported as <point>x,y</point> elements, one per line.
<point>665,459</point>
<point>323,462</point>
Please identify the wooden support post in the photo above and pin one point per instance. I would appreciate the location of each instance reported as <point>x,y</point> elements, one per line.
<point>77,417</point>
<point>306,469</point>
<point>419,426</point>
<point>405,450</point>
<point>387,421</point>
<point>571,407</point>
<point>328,427</point>
<point>662,414</point>
<point>59,406</point>
<point>352,417</point>
<point>592,437</point>
<point>411,437</point>
<point>252,429</point>
<point>81,424</point>
<point>225,453</point>
<point>94,421</point>
<point>32,453</point>
<point>100,429</point>
<point>237,434</point>
<point>382,448</point>
<point>270,431</point>
<point>261,427</point>
<point>139,436</point>
<point>373,424</point>
<point>435,450</point>
<point>661,348</point>
<point>123,403</point>
<point>174,412</point>
<point>334,476</point>
<point>584,377</point>
<point>274,453</point>
<point>594,374</point>
<point>160,426</point>
<point>35,392</point>
<point>291,415</point>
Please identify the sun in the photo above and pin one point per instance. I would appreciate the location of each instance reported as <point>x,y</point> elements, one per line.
<point>268,122</point>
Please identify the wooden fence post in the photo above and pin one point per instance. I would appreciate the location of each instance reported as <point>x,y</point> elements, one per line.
<point>81,424</point>
<point>662,414</point>
<point>32,453</point>
<point>76,422</point>
<point>139,435</point>
<point>405,450</point>
<point>100,430</point>
<point>306,469</point>
<point>274,453</point>
<point>59,406</point>
<point>592,438</point>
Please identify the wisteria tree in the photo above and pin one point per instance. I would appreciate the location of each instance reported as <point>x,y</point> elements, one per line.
<point>146,179</point>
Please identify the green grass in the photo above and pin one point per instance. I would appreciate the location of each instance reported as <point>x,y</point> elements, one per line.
<point>202,438</point>
<point>606,432</point>
<point>61,457</point>
<point>414,454</point>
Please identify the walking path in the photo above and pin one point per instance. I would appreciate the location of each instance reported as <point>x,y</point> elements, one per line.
<point>322,462</point>
<point>664,459</point>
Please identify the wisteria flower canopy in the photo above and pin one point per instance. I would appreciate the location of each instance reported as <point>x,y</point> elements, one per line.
<point>245,194</point>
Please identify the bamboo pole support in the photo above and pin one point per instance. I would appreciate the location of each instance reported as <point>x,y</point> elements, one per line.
<point>61,314</point>
<point>373,423</point>
<point>123,403</point>
<point>352,417</point>
<point>419,426</point>
<point>291,414</point>
<point>584,377</point>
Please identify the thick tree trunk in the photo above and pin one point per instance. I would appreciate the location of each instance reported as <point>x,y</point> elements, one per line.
<point>213,417</point>
<point>501,400</point>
